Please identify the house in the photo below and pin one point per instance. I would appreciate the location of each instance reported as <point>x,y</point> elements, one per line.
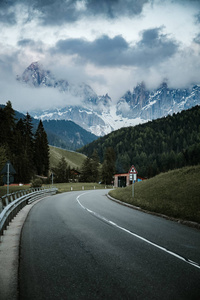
<point>126,179</point>
<point>74,175</point>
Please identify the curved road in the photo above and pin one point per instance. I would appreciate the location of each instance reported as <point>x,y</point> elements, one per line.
<point>81,245</point>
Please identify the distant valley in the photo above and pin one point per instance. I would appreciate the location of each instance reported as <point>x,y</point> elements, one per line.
<point>62,133</point>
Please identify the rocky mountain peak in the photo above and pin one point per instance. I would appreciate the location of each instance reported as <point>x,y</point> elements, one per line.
<point>36,76</point>
<point>97,113</point>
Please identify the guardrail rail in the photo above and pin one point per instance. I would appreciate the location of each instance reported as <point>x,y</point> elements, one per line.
<point>12,203</point>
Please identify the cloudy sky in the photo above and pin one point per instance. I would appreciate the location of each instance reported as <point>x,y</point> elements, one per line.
<point>109,44</point>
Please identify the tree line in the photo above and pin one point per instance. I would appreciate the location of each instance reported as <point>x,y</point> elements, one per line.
<point>93,171</point>
<point>27,151</point>
<point>90,171</point>
<point>157,146</point>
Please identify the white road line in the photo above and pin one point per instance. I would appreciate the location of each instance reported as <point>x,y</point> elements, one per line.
<point>194,264</point>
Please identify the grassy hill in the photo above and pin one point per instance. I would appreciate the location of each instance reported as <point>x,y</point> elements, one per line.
<point>175,194</point>
<point>73,159</point>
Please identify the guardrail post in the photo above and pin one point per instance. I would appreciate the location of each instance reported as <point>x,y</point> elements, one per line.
<point>6,200</point>
<point>1,205</point>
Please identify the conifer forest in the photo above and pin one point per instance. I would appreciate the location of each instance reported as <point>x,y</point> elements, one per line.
<point>27,151</point>
<point>154,147</point>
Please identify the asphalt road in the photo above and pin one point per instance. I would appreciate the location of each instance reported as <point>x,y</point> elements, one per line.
<point>81,245</point>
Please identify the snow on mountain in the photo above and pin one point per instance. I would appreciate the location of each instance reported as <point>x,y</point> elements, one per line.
<point>157,103</point>
<point>98,114</point>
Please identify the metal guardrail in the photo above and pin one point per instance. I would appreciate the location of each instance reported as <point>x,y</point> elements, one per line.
<point>11,204</point>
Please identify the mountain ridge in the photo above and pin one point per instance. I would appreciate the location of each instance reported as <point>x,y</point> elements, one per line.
<point>156,146</point>
<point>61,133</point>
<point>98,114</point>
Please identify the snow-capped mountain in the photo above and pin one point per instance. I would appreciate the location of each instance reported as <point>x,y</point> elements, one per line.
<point>157,103</point>
<point>98,114</point>
<point>88,114</point>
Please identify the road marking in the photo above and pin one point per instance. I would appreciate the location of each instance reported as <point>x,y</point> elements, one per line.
<point>193,263</point>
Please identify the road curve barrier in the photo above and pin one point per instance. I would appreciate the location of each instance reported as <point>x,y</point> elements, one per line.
<point>11,204</point>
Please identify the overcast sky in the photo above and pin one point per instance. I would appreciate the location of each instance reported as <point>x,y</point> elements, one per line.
<point>109,44</point>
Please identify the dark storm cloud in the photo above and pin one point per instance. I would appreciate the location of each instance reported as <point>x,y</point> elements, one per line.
<point>51,12</point>
<point>56,12</point>
<point>198,17</point>
<point>115,8</point>
<point>34,45</point>
<point>102,51</point>
<point>7,13</point>
<point>197,39</point>
<point>152,49</point>
<point>60,11</point>
<point>26,42</point>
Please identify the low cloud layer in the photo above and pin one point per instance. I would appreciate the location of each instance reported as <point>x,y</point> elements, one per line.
<point>152,49</point>
<point>50,12</point>
<point>111,45</point>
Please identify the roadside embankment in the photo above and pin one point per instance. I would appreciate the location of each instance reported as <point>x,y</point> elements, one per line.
<point>175,194</point>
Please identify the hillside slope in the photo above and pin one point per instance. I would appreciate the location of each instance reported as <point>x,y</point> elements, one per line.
<point>67,134</point>
<point>73,159</point>
<point>175,194</point>
<point>156,146</point>
<point>61,133</point>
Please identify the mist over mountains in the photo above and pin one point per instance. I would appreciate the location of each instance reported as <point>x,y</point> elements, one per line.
<point>98,114</point>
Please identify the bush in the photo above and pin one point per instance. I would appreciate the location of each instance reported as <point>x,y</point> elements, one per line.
<point>37,182</point>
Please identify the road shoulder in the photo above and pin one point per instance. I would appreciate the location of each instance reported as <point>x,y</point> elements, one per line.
<point>9,255</point>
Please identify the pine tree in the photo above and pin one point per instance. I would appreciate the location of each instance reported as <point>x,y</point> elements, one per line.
<point>3,159</point>
<point>61,172</point>
<point>19,154</point>
<point>95,166</point>
<point>28,148</point>
<point>108,167</point>
<point>9,126</point>
<point>41,151</point>
<point>86,168</point>
<point>2,125</point>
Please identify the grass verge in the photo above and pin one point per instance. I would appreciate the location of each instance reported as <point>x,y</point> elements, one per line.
<point>67,187</point>
<point>13,188</point>
<point>62,187</point>
<point>175,194</point>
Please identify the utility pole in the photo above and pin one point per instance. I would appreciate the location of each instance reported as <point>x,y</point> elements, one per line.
<point>8,171</point>
<point>133,188</point>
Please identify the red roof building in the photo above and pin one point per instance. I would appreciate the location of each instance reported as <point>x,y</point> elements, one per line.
<point>126,179</point>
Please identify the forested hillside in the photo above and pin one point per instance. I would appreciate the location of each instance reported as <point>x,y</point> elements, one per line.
<point>28,151</point>
<point>67,134</point>
<point>154,147</point>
